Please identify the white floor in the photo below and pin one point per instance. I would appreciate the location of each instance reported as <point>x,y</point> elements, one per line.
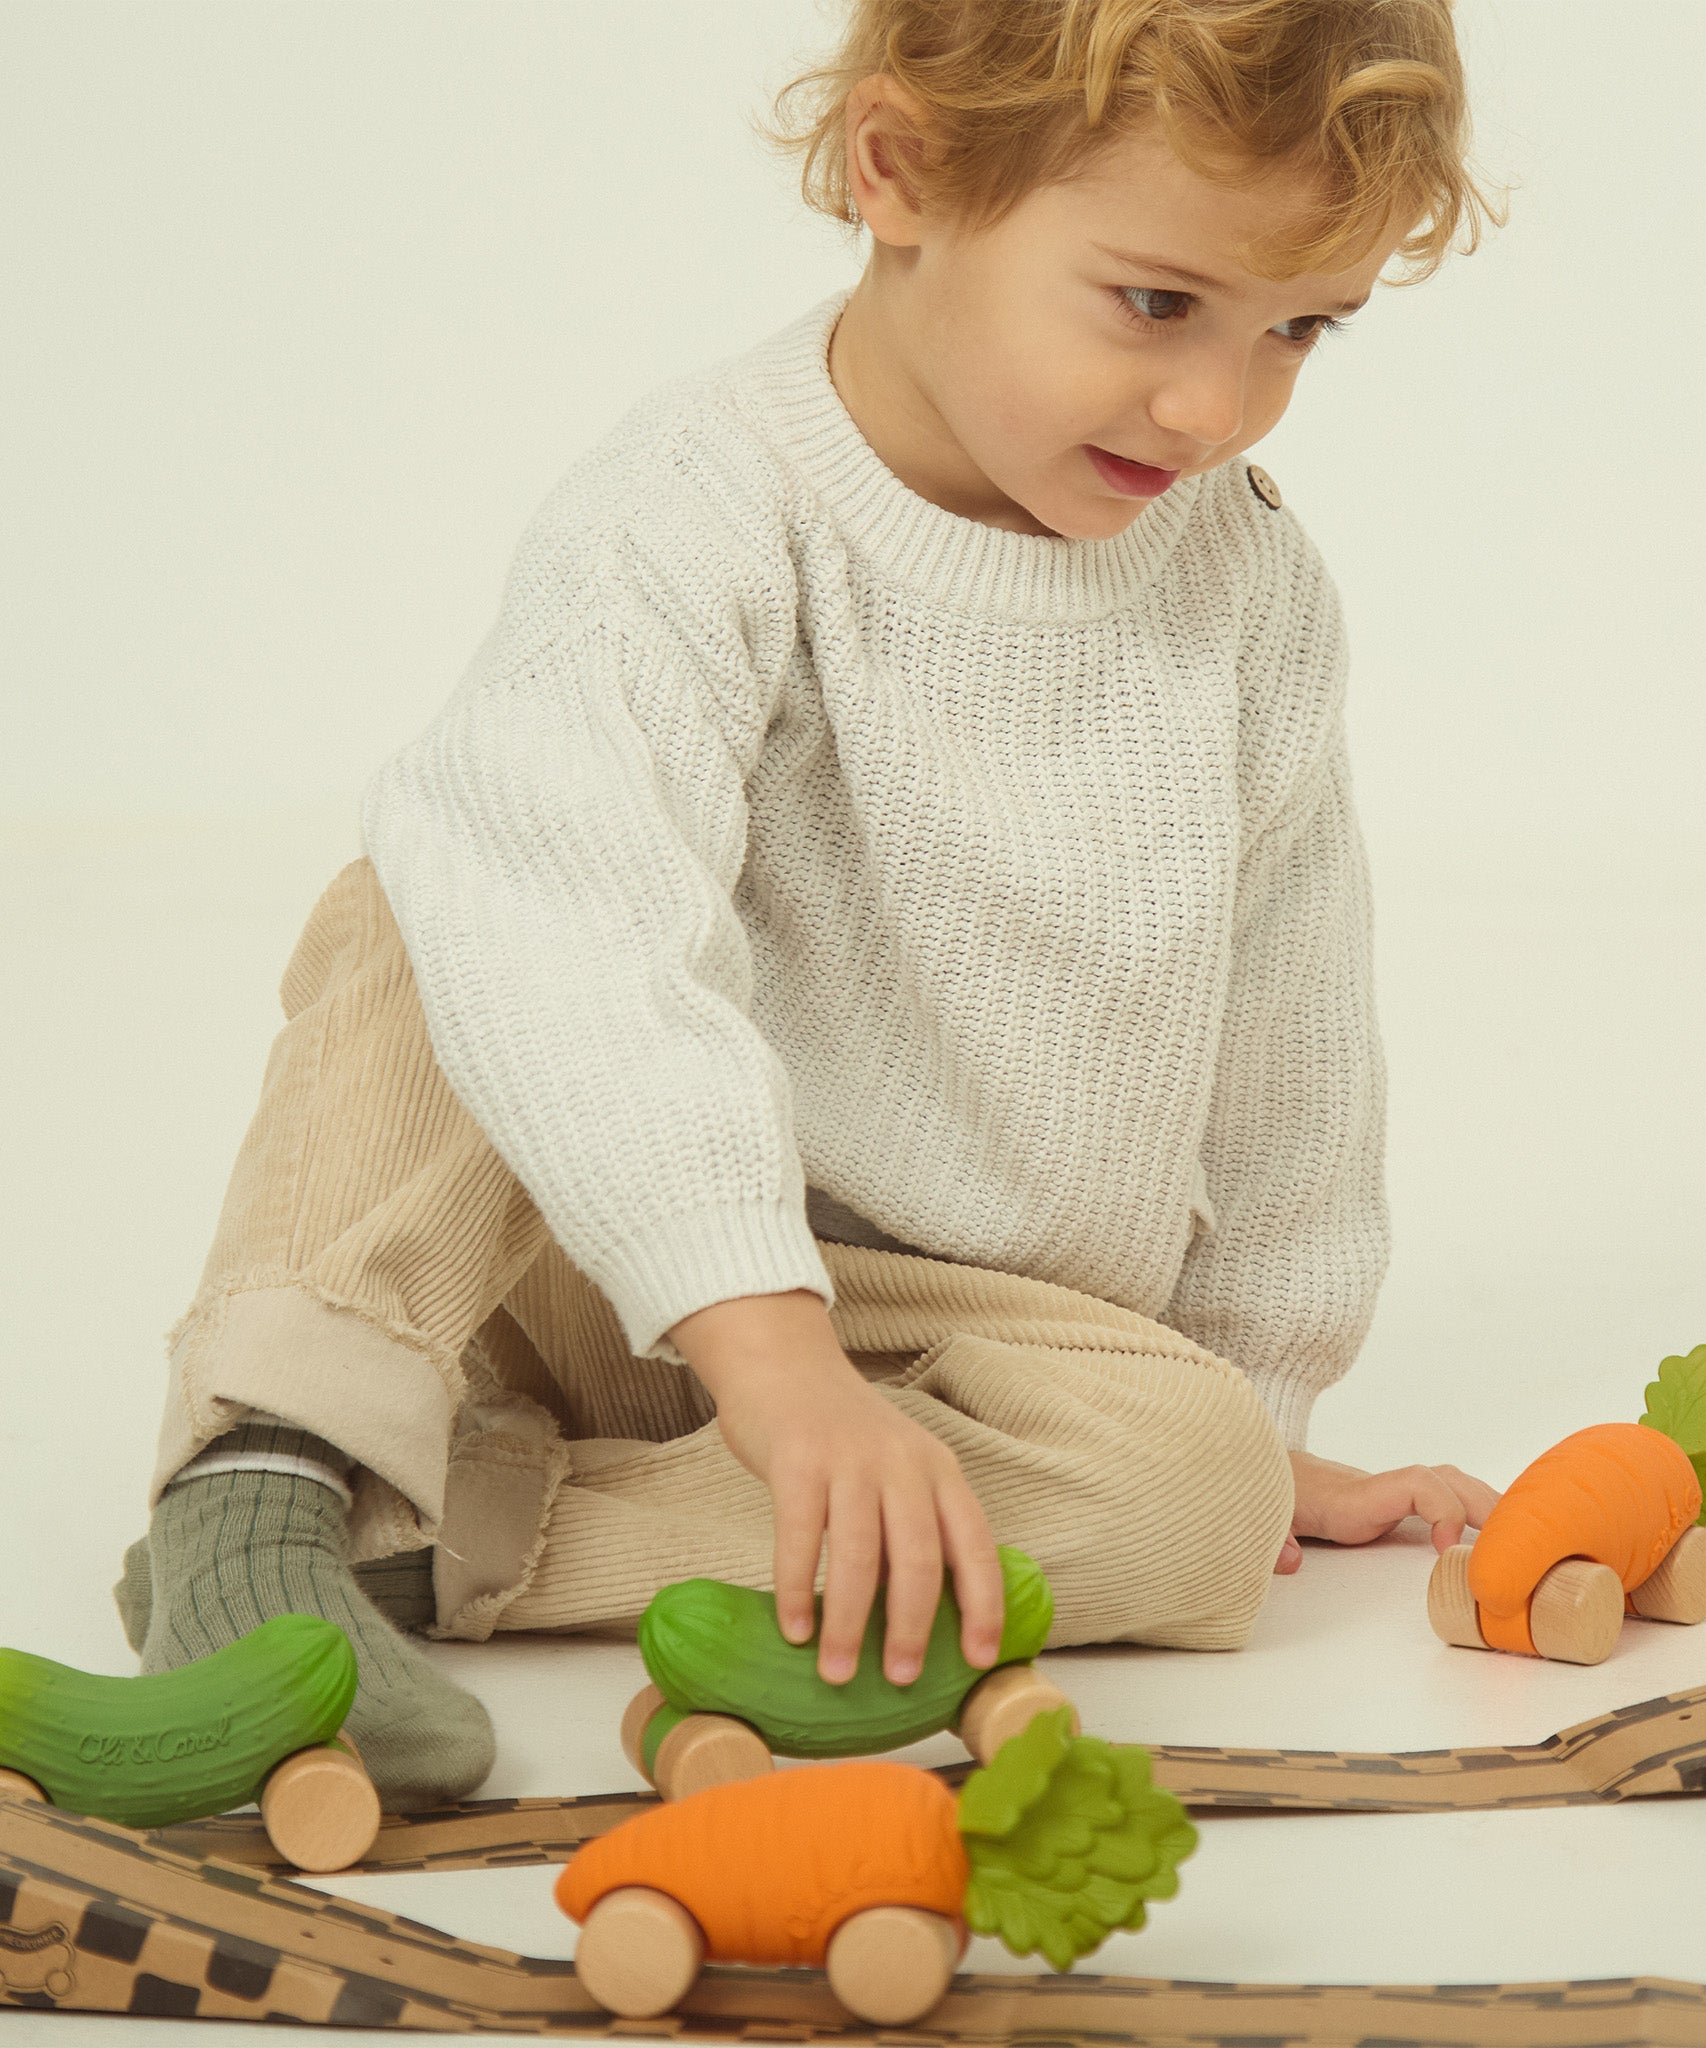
<point>1546,1101</point>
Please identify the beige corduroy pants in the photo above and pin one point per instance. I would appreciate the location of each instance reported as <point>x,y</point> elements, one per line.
<point>379,1276</point>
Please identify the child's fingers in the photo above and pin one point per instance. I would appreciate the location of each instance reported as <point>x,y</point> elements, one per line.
<point>1372,1504</point>
<point>1438,1501</point>
<point>850,1578</point>
<point>913,1552</point>
<point>978,1586</point>
<point>799,1514</point>
<point>1478,1498</point>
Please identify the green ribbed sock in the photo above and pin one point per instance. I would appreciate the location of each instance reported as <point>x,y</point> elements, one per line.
<point>228,1550</point>
<point>400,1587</point>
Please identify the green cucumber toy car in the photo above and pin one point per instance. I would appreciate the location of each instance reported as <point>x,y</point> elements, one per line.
<point>729,1691</point>
<point>257,1720</point>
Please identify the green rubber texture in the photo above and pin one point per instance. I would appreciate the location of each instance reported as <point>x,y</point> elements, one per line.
<point>651,1741</point>
<point>1676,1407</point>
<point>176,1745</point>
<point>712,1648</point>
<point>1068,1838</point>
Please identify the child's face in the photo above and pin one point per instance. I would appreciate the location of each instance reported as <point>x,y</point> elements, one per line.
<point>1043,351</point>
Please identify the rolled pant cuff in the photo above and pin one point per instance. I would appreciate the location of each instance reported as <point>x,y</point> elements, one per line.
<point>502,1483</point>
<point>286,1350</point>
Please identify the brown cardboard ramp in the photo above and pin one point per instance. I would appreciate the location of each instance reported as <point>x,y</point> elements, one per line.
<point>95,1918</point>
<point>1653,1748</point>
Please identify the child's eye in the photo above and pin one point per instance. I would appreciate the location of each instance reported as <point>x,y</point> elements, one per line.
<point>1318,325</point>
<point>1137,301</point>
<point>1139,304</point>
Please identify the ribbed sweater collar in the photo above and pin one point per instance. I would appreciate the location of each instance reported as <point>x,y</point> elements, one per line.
<point>904,540</point>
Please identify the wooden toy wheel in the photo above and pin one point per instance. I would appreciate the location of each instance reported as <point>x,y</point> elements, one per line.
<point>1451,1605</point>
<point>709,1749</point>
<point>14,1785</point>
<point>890,1964</point>
<point>1003,1704</point>
<point>320,1809</point>
<point>1576,1614</point>
<point>639,1952</point>
<point>1677,1590</point>
<point>640,1710</point>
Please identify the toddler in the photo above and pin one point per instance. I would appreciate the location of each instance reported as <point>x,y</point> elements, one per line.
<point>851,1037</point>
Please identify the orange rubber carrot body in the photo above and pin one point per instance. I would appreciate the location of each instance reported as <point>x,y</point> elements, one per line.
<point>771,1866</point>
<point>1618,1493</point>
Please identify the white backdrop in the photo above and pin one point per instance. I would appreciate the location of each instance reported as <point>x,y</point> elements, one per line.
<point>310,304</point>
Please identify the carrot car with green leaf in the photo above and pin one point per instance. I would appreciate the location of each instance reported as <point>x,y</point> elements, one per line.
<point>875,1872</point>
<point>1607,1522</point>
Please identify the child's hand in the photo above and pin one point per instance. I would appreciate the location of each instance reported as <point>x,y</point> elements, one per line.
<point>841,1463</point>
<point>1341,1504</point>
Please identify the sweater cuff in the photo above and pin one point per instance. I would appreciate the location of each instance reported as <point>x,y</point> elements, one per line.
<point>695,1257</point>
<point>1288,1400</point>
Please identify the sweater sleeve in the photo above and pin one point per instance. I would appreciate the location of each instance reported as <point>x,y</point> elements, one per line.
<point>1283,1279</point>
<point>560,848</point>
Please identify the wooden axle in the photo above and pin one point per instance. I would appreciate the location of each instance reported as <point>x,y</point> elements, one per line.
<point>319,1807</point>
<point>1576,1613</point>
<point>717,1749</point>
<point>1575,1616</point>
<point>1004,1704</point>
<point>640,1953</point>
<point>639,1711</point>
<point>704,1749</point>
<point>1677,1590</point>
<point>890,1964</point>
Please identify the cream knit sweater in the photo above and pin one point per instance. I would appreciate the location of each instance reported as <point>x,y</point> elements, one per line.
<point>1007,889</point>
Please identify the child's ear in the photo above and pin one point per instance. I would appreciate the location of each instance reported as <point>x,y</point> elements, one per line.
<point>887,128</point>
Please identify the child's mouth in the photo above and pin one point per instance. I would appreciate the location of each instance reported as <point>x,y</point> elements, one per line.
<point>1130,479</point>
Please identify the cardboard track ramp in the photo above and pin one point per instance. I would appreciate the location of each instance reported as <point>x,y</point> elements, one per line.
<point>1654,1748</point>
<point>96,1918</point>
<point>194,1922</point>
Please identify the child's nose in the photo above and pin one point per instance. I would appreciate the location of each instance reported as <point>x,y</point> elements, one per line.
<point>1202,402</point>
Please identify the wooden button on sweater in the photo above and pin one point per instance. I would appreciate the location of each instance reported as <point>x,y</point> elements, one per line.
<point>1264,487</point>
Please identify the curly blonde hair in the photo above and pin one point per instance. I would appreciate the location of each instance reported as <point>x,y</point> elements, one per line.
<point>1365,97</point>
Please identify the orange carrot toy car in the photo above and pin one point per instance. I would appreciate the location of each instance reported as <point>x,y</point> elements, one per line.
<point>875,1872</point>
<point>1604,1523</point>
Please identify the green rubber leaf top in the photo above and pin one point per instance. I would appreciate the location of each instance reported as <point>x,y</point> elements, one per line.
<point>1676,1406</point>
<point>1068,1837</point>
